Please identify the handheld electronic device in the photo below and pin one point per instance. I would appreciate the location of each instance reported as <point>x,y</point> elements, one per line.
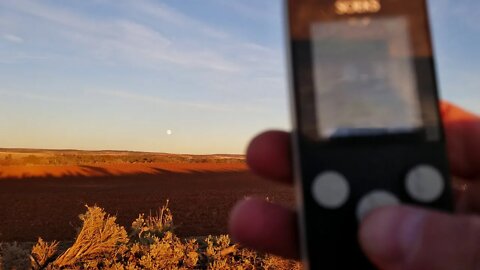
<point>367,127</point>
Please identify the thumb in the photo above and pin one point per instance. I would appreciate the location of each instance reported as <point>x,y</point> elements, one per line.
<point>407,238</point>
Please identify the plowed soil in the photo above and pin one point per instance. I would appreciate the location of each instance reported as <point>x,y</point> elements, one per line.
<point>45,201</point>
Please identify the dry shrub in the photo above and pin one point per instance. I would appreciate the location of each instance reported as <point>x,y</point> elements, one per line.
<point>144,229</point>
<point>43,253</point>
<point>98,238</point>
<point>169,253</point>
<point>271,262</point>
<point>103,244</point>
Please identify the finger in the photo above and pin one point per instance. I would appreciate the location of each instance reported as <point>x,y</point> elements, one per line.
<point>266,227</point>
<point>269,155</point>
<point>462,130</point>
<point>405,238</point>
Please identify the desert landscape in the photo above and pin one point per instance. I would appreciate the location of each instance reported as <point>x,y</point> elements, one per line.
<point>42,192</point>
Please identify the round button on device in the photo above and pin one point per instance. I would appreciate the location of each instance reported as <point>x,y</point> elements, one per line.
<point>330,190</point>
<point>374,200</point>
<point>425,184</point>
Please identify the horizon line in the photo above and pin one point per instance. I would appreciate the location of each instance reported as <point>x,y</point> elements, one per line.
<point>25,149</point>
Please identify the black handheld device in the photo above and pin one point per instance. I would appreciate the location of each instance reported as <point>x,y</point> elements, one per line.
<point>367,127</point>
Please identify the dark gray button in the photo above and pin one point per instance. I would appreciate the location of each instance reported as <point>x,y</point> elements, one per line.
<point>374,200</point>
<point>425,184</point>
<point>330,190</point>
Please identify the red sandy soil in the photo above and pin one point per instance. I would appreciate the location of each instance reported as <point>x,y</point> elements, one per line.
<point>45,201</point>
<point>119,169</point>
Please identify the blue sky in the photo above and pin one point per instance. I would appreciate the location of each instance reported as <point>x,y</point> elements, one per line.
<point>106,74</point>
<point>456,30</point>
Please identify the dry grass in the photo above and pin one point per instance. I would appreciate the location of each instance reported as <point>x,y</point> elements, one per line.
<point>102,244</point>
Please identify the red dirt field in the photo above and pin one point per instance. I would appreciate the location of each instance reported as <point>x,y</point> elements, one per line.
<point>45,201</point>
<point>118,169</point>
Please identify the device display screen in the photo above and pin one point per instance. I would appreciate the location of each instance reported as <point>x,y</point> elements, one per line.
<point>364,78</point>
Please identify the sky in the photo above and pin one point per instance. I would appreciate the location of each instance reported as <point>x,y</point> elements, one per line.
<point>190,76</point>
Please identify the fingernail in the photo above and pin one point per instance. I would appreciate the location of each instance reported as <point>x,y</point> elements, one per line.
<point>391,235</point>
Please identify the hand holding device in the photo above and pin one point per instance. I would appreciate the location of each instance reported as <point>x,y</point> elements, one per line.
<point>442,241</point>
<point>367,131</point>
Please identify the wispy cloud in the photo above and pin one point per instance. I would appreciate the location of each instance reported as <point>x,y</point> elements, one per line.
<point>129,40</point>
<point>33,96</point>
<point>172,16</point>
<point>10,58</point>
<point>177,104</point>
<point>246,9</point>
<point>124,39</point>
<point>13,38</point>
<point>233,74</point>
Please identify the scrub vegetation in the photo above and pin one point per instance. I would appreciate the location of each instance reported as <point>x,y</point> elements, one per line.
<point>29,157</point>
<point>150,243</point>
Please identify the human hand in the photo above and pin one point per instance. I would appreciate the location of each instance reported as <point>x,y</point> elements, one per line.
<point>396,237</point>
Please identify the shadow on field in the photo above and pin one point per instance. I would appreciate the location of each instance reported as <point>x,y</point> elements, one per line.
<point>114,169</point>
<point>49,206</point>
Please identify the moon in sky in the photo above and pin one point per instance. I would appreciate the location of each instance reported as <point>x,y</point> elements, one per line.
<point>169,132</point>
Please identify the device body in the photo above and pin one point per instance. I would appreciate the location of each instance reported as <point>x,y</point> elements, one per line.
<point>367,127</point>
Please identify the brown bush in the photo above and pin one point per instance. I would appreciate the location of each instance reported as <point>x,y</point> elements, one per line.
<point>43,254</point>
